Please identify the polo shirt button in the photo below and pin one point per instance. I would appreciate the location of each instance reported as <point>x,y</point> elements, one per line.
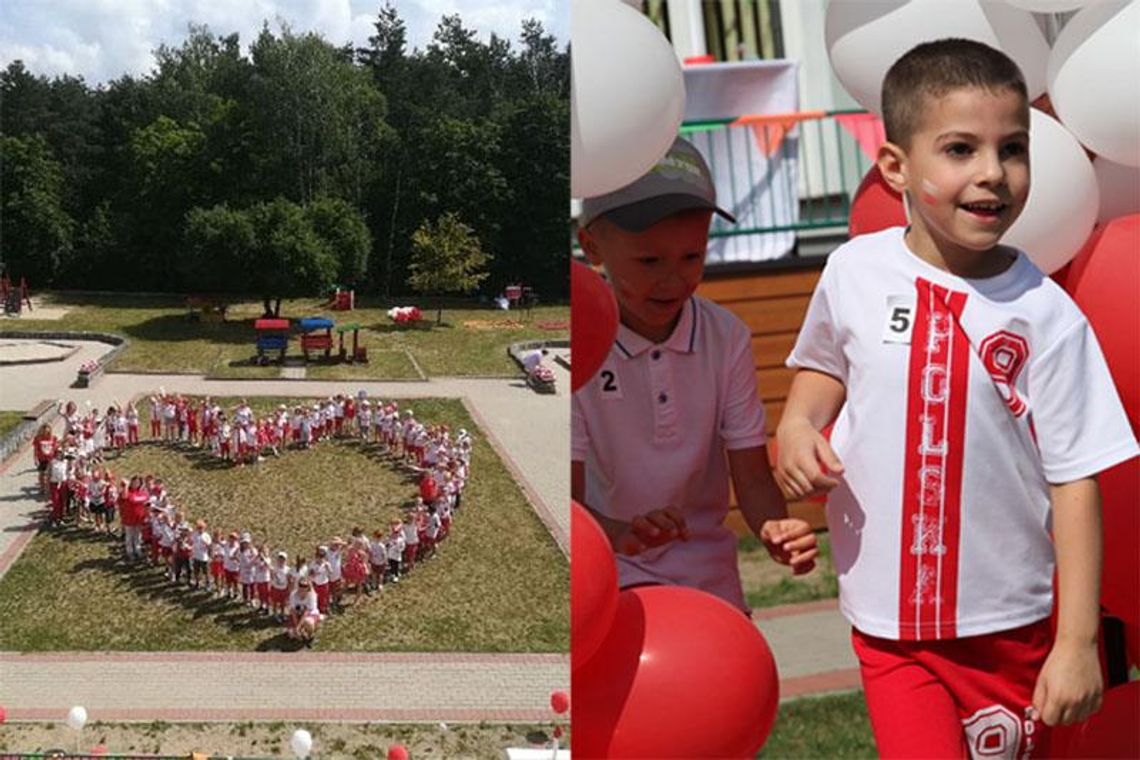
<point>662,398</point>
<point>656,355</point>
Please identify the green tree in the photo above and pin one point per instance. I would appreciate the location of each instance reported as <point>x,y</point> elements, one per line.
<point>35,231</point>
<point>220,244</point>
<point>289,259</point>
<point>446,258</point>
<point>345,232</point>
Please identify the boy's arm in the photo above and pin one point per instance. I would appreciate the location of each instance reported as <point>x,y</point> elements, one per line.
<point>651,529</point>
<point>1069,686</point>
<point>813,401</point>
<point>789,541</point>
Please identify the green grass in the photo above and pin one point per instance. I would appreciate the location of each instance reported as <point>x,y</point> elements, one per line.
<point>500,584</point>
<point>767,583</point>
<point>9,421</point>
<point>834,726</point>
<point>393,364</point>
<point>471,341</point>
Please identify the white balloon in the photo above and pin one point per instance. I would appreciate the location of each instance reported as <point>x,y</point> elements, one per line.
<point>1119,188</point>
<point>77,718</point>
<point>1049,6</point>
<point>1063,196</point>
<point>865,37</point>
<point>627,96</point>
<point>302,742</point>
<point>1094,79</point>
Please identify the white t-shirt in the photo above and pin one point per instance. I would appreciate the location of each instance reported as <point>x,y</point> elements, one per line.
<point>231,558</point>
<point>280,576</point>
<point>411,534</point>
<point>304,603</point>
<point>652,428</point>
<point>261,570</point>
<point>319,572</point>
<point>246,558</point>
<point>965,400</point>
<point>201,543</point>
<point>334,564</point>
<point>377,552</point>
<point>396,546</point>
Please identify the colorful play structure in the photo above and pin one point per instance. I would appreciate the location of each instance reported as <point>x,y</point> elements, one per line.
<point>316,337</point>
<point>272,335</point>
<point>14,297</point>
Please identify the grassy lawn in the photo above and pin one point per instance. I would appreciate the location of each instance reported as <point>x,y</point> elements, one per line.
<point>471,341</point>
<point>359,741</point>
<point>767,583</point>
<point>499,584</point>
<point>834,726</point>
<point>393,364</point>
<point>10,421</point>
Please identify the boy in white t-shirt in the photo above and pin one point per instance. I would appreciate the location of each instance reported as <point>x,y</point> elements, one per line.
<point>974,411</point>
<point>673,412</point>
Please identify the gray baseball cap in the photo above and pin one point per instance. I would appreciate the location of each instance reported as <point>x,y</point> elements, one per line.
<point>680,181</point>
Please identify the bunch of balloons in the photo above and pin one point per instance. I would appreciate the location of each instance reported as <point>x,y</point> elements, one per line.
<point>1084,150</point>
<point>403,315</point>
<point>640,655</point>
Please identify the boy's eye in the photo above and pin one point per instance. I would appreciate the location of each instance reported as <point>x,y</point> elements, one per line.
<point>958,149</point>
<point>1015,149</point>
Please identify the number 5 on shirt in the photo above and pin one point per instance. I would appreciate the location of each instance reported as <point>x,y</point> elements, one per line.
<point>900,319</point>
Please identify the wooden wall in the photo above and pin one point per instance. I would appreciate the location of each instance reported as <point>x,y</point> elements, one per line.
<point>772,302</point>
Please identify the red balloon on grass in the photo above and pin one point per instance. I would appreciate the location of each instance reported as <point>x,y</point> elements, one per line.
<point>397,752</point>
<point>1112,732</point>
<point>875,206</point>
<point>593,585</point>
<point>593,323</point>
<point>559,702</point>
<point>3,715</point>
<point>682,674</point>
<point>1104,279</point>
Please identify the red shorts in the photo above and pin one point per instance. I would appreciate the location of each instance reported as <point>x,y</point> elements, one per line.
<point>166,551</point>
<point>322,590</point>
<point>263,592</point>
<point>334,587</point>
<point>278,596</point>
<point>963,697</point>
<point>217,569</point>
<point>231,576</point>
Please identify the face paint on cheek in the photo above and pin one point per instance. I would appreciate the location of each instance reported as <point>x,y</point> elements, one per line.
<point>929,194</point>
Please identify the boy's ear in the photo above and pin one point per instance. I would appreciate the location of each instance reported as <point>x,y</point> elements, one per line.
<point>892,165</point>
<point>589,244</point>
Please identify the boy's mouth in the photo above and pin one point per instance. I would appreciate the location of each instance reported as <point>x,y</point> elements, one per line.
<point>984,210</point>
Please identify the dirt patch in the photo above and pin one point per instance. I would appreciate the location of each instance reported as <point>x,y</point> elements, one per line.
<point>40,311</point>
<point>260,740</point>
<point>493,324</point>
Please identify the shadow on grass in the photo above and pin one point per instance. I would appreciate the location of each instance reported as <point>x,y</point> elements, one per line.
<point>151,583</point>
<point>177,327</point>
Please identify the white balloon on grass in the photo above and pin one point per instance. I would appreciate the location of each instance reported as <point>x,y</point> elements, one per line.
<point>1049,6</point>
<point>1063,196</point>
<point>302,743</point>
<point>77,718</point>
<point>627,96</point>
<point>865,38</point>
<point>1119,188</point>
<point>1094,79</point>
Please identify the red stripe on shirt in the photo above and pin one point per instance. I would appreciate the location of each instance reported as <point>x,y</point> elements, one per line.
<point>955,458</point>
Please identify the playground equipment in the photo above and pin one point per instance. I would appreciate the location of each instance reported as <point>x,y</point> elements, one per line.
<point>359,352</point>
<point>272,335</point>
<point>312,339</point>
<point>343,300</point>
<point>14,297</point>
<point>206,309</point>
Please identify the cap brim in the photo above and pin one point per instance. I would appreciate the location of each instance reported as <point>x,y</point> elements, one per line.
<point>640,216</point>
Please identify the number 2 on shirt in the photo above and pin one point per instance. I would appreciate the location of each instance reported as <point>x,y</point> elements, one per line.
<point>900,319</point>
<point>608,379</point>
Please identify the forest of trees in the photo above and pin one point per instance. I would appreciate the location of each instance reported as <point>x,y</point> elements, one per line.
<point>290,168</point>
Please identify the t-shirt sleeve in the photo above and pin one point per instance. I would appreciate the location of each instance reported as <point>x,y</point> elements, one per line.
<point>579,433</point>
<point>1081,425</point>
<point>742,415</point>
<point>817,346</point>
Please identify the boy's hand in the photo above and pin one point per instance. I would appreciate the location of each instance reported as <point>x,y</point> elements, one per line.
<point>790,542</point>
<point>801,451</point>
<point>1069,686</point>
<point>651,530</point>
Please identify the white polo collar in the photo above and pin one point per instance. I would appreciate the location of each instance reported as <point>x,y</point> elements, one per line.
<point>682,340</point>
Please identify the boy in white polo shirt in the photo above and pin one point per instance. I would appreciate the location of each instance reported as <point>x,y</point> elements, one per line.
<point>974,411</point>
<point>673,414</point>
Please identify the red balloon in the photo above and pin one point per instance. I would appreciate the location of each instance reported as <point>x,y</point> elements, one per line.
<point>1104,279</point>
<point>593,323</point>
<point>3,715</point>
<point>397,752</point>
<point>682,674</point>
<point>1112,732</point>
<point>875,206</point>
<point>99,750</point>
<point>559,702</point>
<point>593,585</point>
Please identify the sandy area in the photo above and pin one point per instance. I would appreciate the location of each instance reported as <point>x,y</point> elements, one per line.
<point>366,741</point>
<point>39,311</point>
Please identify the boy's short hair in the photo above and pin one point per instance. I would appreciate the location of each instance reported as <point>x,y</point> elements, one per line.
<point>932,69</point>
<point>679,181</point>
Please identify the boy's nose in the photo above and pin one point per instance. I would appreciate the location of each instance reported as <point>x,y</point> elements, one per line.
<point>990,169</point>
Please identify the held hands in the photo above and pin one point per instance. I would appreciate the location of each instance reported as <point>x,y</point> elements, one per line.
<point>790,542</point>
<point>1069,686</point>
<point>651,530</point>
<point>801,451</point>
